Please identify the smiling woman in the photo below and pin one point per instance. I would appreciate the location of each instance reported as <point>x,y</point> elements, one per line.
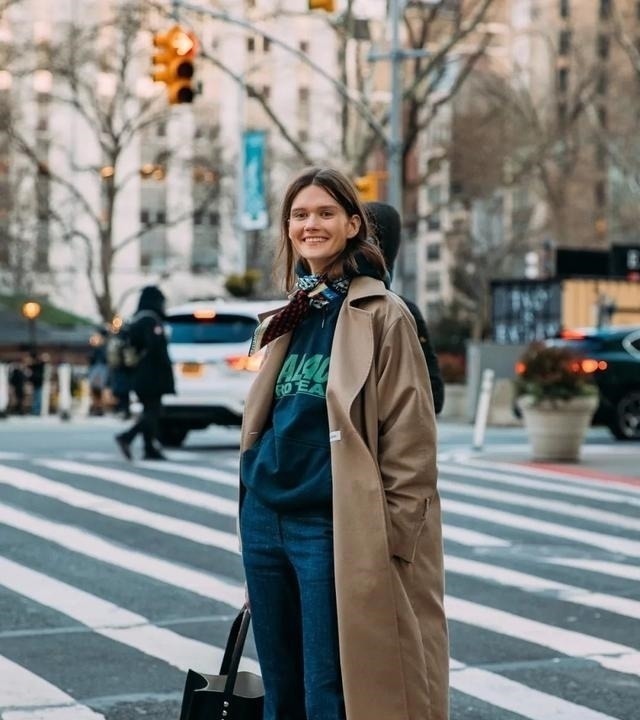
<point>319,228</point>
<point>339,511</point>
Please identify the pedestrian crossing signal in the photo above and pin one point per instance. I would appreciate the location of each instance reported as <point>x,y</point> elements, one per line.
<point>367,187</point>
<point>173,63</point>
<point>328,5</point>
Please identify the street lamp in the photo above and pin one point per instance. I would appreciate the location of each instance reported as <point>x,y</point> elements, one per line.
<point>31,310</point>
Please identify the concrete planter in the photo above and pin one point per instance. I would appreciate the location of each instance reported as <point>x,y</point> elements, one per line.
<point>556,428</point>
<point>455,402</point>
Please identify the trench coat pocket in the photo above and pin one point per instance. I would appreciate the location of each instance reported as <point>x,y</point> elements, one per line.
<point>406,528</point>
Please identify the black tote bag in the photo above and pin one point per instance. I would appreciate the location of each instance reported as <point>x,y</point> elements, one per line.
<point>231,695</point>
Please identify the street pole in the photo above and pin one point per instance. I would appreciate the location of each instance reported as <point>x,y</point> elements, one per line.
<point>395,115</point>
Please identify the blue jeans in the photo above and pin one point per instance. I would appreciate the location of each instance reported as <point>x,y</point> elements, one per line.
<point>288,561</point>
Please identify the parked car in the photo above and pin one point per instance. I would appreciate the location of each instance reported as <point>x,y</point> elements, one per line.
<point>208,345</point>
<point>612,355</point>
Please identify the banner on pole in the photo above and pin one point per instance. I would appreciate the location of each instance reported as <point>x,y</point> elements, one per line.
<point>254,211</point>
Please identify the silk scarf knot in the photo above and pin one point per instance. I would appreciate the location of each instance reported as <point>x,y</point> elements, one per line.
<point>311,291</point>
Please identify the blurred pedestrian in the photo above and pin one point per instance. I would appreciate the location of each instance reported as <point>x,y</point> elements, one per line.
<point>17,383</point>
<point>35,374</point>
<point>386,223</point>
<point>152,375</point>
<point>120,384</point>
<point>98,373</point>
<point>339,510</point>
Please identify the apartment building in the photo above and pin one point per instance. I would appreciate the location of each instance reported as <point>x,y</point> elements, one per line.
<point>157,189</point>
<point>572,98</point>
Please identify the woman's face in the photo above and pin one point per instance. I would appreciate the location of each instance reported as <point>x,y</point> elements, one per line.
<point>319,227</point>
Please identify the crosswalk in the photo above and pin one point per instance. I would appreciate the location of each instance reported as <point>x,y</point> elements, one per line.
<point>115,578</point>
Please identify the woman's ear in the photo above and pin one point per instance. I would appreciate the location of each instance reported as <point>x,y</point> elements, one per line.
<point>354,226</point>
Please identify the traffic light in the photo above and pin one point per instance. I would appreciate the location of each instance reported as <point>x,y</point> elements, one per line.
<point>367,187</point>
<point>173,63</point>
<point>328,5</point>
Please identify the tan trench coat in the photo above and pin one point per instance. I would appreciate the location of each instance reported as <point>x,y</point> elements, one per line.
<point>387,525</point>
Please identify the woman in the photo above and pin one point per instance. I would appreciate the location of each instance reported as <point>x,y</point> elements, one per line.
<point>340,516</point>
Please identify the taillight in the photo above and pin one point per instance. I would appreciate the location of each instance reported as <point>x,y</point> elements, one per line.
<point>590,366</point>
<point>520,368</point>
<point>251,363</point>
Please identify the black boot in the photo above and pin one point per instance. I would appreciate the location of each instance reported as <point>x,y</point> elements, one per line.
<point>124,445</point>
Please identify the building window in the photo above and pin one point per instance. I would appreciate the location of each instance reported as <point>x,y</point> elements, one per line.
<point>197,217</point>
<point>638,10</point>
<point>601,157</point>
<point>304,45</point>
<point>562,112</point>
<point>603,46</point>
<point>563,79</point>
<point>605,9</point>
<point>161,218</point>
<point>161,130</point>
<point>601,86</point>
<point>266,44</point>
<point>433,251</point>
<point>251,44</point>
<point>266,92</point>
<point>602,116</point>
<point>600,194</point>
<point>214,218</point>
<point>433,281</point>
<point>564,8</point>
<point>564,43</point>
<point>145,218</point>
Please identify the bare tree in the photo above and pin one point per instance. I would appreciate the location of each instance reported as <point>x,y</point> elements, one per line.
<point>112,120</point>
<point>518,162</point>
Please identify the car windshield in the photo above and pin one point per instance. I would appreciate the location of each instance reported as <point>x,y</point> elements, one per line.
<point>222,328</point>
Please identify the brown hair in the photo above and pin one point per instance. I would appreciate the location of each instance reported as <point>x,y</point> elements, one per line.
<point>345,194</point>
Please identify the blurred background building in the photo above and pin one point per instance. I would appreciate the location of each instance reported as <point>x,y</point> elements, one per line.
<point>517,137</point>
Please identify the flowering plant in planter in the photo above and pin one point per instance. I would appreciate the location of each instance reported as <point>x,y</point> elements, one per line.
<point>552,373</point>
<point>557,399</point>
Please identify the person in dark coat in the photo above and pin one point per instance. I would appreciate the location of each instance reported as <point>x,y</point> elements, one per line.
<point>386,222</point>
<point>36,379</point>
<point>152,376</point>
<point>17,382</point>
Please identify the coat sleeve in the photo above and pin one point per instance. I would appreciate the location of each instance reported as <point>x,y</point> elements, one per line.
<point>435,377</point>
<point>406,435</point>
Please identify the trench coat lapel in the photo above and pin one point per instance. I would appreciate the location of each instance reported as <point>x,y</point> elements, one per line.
<point>347,378</point>
<point>354,329</point>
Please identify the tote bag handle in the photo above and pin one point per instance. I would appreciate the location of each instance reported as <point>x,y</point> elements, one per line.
<point>234,648</point>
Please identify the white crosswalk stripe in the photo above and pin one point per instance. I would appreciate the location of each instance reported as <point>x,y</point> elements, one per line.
<point>26,696</point>
<point>486,507</point>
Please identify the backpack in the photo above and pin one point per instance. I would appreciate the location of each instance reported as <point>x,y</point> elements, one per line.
<point>120,352</point>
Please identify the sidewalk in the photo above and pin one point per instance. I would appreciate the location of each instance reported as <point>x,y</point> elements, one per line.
<point>616,462</point>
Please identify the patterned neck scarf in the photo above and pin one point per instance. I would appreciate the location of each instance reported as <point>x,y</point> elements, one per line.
<point>312,291</point>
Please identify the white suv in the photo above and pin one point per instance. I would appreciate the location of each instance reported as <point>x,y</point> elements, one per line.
<point>208,346</point>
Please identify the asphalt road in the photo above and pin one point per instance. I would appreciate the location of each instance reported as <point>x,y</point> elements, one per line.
<point>117,577</point>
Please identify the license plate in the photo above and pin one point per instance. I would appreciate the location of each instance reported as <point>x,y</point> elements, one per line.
<point>192,369</point>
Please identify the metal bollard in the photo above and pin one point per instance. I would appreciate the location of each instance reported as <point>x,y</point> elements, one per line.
<point>64,391</point>
<point>4,390</point>
<point>482,410</point>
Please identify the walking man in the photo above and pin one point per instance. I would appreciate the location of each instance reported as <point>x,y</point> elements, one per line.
<point>152,376</point>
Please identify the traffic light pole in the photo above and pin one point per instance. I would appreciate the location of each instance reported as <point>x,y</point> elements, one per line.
<point>394,142</point>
